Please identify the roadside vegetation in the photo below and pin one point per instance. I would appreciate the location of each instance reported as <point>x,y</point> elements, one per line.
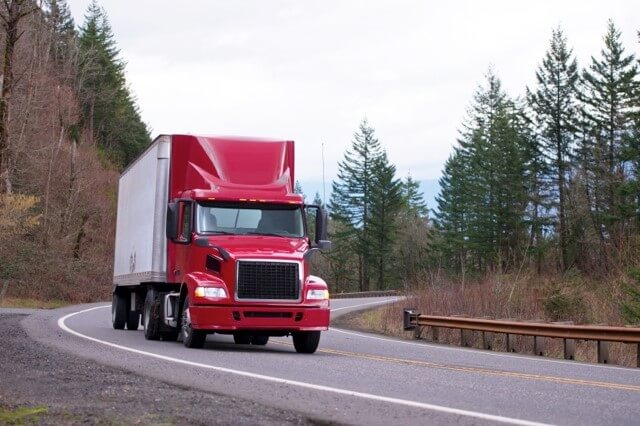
<point>538,215</point>
<point>22,415</point>
<point>68,125</point>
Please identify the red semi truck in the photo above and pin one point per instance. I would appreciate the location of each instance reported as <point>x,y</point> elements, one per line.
<point>211,238</point>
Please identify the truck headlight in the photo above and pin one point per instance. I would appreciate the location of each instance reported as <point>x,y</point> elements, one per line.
<point>314,294</point>
<point>213,292</point>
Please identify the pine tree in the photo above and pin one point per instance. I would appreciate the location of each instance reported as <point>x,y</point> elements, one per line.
<point>536,170</point>
<point>452,216</point>
<point>554,102</point>
<point>414,198</point>
<point>483,195</point>
<point>351,198</point>
<point>63,31</point>
<point>297,189</point>
<point>108,108</point>
<point>610,86</point>
<point>386,203</point>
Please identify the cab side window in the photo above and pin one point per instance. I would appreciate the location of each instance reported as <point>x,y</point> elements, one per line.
<point>185,223</point>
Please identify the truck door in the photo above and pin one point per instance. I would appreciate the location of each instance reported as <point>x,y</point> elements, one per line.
<point>183,242</point>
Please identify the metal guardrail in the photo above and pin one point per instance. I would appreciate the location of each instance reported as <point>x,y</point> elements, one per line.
<point>539,330</point>
<point>360,294</point>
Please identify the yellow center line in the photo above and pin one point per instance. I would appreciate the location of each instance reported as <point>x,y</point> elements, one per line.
<point>476,370</point>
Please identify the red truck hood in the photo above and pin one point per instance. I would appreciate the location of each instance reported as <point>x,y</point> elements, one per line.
<point>258,246</point>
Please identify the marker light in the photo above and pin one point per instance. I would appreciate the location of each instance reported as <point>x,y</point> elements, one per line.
<point>214,292</point>
<point>317,294</point>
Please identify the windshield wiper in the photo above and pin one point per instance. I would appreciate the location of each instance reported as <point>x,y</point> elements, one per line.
<point>267,234</point>
<point>218,233</point>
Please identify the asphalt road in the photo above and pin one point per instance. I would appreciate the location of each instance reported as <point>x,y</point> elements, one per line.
<point>359,378</point>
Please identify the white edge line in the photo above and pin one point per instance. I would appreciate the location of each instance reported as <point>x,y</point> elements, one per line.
<point>488,352</point>
<point>408,403</point>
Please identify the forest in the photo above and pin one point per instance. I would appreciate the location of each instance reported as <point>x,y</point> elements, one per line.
<point>538,212</point>
<point>68,125</point>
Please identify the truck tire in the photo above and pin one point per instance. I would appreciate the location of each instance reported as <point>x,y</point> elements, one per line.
<point>241,339</point>
<point>133,319</point>
<point>169,336</point>
<point>306,342</point>
<point>118,311</point>
<point>259,340</point>
<point>190,337</point>
<point>151,315</point>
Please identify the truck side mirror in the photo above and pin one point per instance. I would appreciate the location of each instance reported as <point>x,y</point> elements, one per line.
<point>321,225</point>
<point>172,220</point>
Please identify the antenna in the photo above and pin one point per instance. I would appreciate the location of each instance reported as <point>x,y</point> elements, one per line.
<point>324,189</point>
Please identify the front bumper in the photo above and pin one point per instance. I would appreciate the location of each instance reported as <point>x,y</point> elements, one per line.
<point>239,318</point>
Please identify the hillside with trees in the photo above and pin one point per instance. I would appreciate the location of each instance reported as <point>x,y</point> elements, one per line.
<point>68,125</point>
<point>538,213</point>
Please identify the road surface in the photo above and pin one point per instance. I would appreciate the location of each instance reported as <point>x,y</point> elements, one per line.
<point>360,378</point>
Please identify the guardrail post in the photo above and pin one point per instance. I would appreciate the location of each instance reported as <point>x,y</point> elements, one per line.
<point>538,341</point>
<point>603,352</point>
<point>406,318</point>
<point>435,334</point>
<point>538,345</point>
<point>569,344</point>
<point>569,349</point>
<point>465,337</point>
<point>464,334</point>
<point>487,338</point>
<point>511,342</point>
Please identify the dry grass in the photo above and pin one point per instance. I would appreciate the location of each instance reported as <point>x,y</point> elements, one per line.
<point>568,298</point>
<point>12,302</point>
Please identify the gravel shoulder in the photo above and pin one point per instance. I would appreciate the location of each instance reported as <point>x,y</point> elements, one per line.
<point>75,390</point>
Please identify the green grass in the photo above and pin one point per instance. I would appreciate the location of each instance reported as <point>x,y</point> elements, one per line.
<point>22,415</point>
<point>11,302</point>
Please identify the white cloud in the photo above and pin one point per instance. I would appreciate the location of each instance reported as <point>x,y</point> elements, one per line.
<point>310,71</point>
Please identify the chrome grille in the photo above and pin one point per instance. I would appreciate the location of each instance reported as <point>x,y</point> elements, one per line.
<point>268,280</point>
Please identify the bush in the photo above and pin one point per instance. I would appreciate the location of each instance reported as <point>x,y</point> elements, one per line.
<point>630,308</point>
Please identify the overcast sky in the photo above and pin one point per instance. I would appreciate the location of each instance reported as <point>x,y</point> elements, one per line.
<point>310,71</point>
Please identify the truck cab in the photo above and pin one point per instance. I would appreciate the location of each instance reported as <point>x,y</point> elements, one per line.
<point>233,257</point>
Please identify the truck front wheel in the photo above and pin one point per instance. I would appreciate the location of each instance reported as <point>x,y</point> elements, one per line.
<point>259,340</point>
<point>190,337</point>
<point>118,311</point>
<point>306,342</point>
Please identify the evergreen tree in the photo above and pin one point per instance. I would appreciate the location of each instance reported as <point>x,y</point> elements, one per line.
<point>107,105</point>
<point>386,203</point>
<point>63,31</point>
<point>297,189</point>
<point>414,198</point>
<point>351,197</point>
<point>554,102</point>
<point>483,195</point>
<point>452,216</point>
<point>536,170</point>
<point>610,86</point>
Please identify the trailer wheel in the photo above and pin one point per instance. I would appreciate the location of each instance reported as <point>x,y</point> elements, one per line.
<point>241,339</point>
<point>118,311</point>
<point>151,316</point>
<point>259,340</point>
<point>190,337</point>
<point>133,319</point>
<point>306,342</point>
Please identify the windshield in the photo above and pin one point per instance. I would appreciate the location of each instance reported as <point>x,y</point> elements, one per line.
<point>249,219</point>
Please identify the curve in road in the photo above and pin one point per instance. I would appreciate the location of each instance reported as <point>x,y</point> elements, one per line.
<point>362,378</point>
